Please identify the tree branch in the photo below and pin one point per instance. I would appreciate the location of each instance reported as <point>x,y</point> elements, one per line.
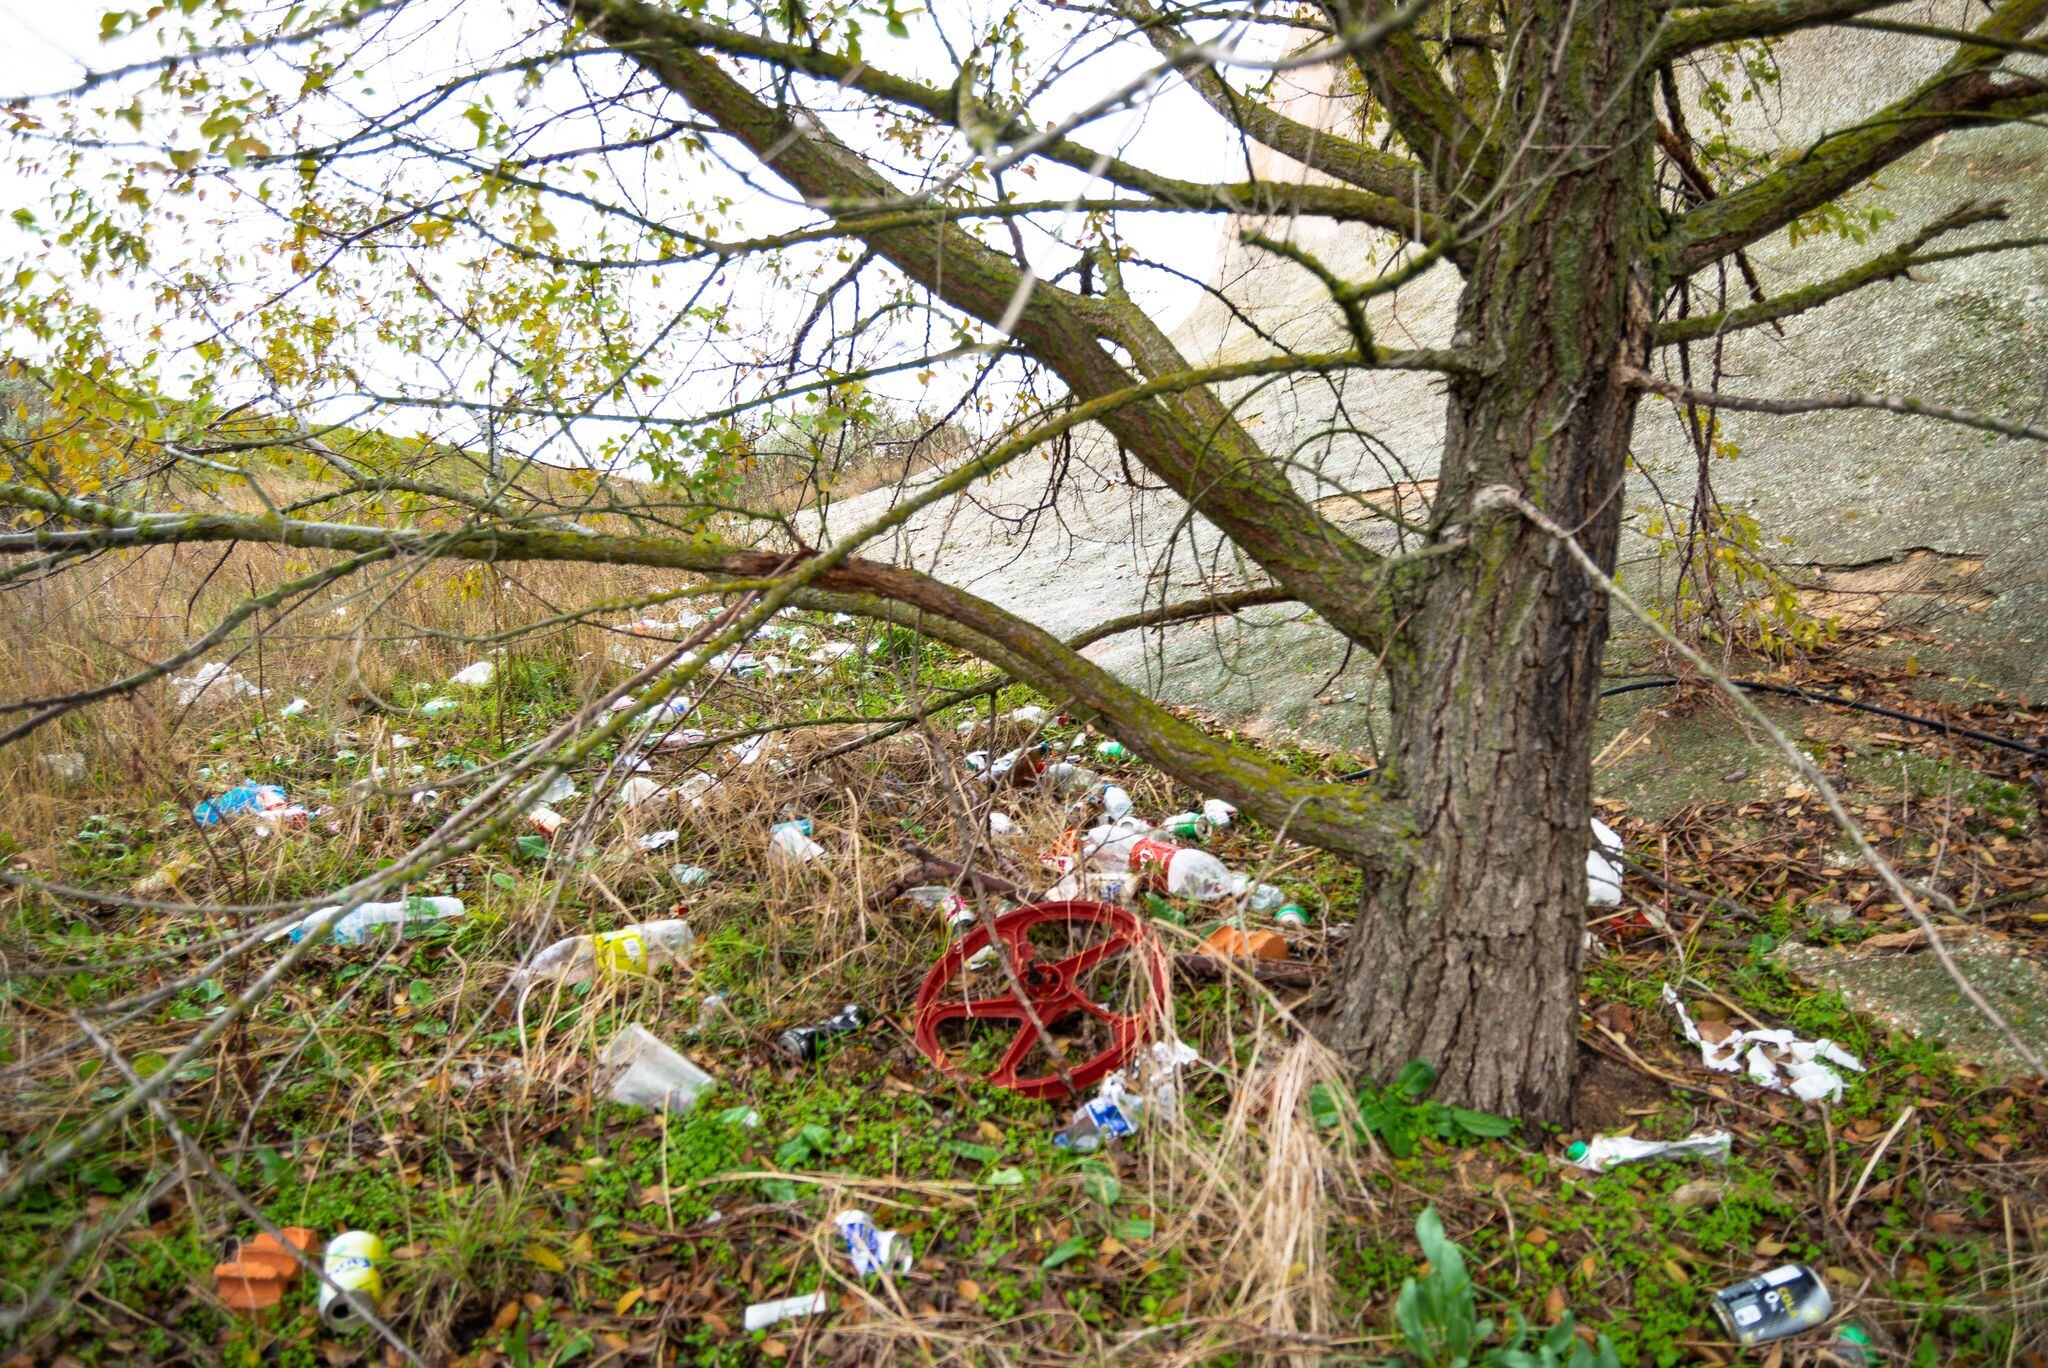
<point>1885,266</point>
<point>1822,403</point>
<point>1966,91</point>
<point>1762,19</point>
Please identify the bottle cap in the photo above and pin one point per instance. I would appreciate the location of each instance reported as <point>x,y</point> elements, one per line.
<point>1575,1151</point>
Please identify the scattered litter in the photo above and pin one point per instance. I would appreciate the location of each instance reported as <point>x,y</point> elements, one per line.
<point>651,1074</point>
<point>1109,1115</point>
<point>294,708</point>
<point>1110,750</point>
<point>477,676</point>
<point>801,1042</point>
<point>266,804</point>
<point>1001,825</point>
<point>400,741</point>
<point>475,1075</point>
<point>1093,885</point>
<point>690,876</point>
<point>1181,872</point>
<point>426,798</point>
<point>1603,1152</point>
<point>256,1277</point>
<point>1291,914</point>
<point>1263,898</point>
<point>656,840</point>
<point>66,767</point>
<point>544,819</point>
<point>435,706</point>
<point>872,1251</point>
<point>790,843</point>
<point>350,1266</point>
<point>1031,715</point>
<point>213,682</point>
<point>1219,813</point>
<point>1778,1060</point>
<point>693,789</point>
<point>1773,1305</point>
<point>637,949</point>
<point>1237,943</point>
<point>761,1315</point>
<point>356,925</point>
<point>1603,867</point>
<point>640,790</point>
<point>1188,826</point>
<point>560,789</point>
<point>1117,804</point>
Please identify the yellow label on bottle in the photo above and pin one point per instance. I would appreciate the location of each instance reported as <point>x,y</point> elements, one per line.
<point>622,952</point>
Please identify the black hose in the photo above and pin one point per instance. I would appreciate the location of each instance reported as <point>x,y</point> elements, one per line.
<point>1792,691</point>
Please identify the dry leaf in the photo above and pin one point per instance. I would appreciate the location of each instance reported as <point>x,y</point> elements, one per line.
<point>1553,1306</point>
<point>968,1290</point>
<point>507,1317</point>
<point>545,1258</point>
<point>627,1302</point>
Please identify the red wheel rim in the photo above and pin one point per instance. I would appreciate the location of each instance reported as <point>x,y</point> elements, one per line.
<point>1056,989</point>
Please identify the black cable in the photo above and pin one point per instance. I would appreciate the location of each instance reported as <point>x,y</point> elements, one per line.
<point>1792,691</point>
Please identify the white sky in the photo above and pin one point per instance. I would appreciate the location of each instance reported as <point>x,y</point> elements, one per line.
<point>46,46</point>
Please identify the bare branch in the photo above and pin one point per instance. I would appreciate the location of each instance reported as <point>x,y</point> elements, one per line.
<point>1822,403</point>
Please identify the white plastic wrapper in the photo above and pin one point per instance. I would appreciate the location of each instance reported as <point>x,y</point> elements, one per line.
<point>213,682</point>
<point>761,1315</point>
<point>1603,1152</point>
<point>1603,867</point>
<point>477,676</point>
<point>1778,1060</point>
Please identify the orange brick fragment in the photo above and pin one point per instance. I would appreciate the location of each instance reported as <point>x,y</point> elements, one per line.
<point>1241,944</point>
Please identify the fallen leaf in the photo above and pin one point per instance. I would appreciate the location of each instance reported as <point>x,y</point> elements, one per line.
<point>627,1302</point>
<point>507,1317</point>
<point>1553,1306</point>
<point>774,1349</point>
<point>545,1258</point>
<point>968,1290</point>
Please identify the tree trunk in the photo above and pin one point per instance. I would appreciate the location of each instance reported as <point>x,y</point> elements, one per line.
<point>1467,956</point>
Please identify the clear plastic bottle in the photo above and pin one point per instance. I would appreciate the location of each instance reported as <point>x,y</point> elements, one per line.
<point>1112,1113</point>
<point>362,922</point>
<point>637,949</point>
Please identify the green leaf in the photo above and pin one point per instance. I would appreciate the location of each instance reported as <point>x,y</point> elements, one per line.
<point>1068,1248</point>
<point>420,993</point>
<point>1485,1125</point>
<point>533,847</point>
<point>1415,1080</point>
<point>504,880</point>
<point>980,1154</point>
<point>1133,1228</point>
<point>1099,1181</point>
<point>1005,1177</point>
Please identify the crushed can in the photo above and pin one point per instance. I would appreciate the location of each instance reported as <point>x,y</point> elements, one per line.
<point>801,1042</point>
<point>350,1265</point>
<point>1772,1305</point>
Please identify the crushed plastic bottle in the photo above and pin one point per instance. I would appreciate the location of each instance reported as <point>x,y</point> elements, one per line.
<point>790,843</point>
<point>560,789</point>
<point>872,1251</point>
<point>1604,1152</point>
<point>358,924</point>
<point>1219,813</point>
<point>263,803</point>
<point>1109,1115</point>
<point>637,949</point>
<point>1263,898</point>
<point>689,875</point>
<point>1116,804</point>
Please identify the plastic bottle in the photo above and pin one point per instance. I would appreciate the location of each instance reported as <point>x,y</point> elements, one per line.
<point>1603,1152</point>
<point>1110,750</point>
<point>1264,898</point>
<point>790,843</point>
<point>1112,1113</point>
<point>1116,804</point>
<point>1183,873</point>
<point>1069,777</point>
<point>634,949</point>
<point>361,922</point>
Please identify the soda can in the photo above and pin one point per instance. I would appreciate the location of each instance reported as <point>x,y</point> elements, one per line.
<point>801,1042</point>
<point>1292,914</point>
<point>1772,1305</point>
<point>1111,750</point>
<point>350,1265</point>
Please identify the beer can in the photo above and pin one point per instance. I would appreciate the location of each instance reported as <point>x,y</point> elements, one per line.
<point>350,1264</point>
<point>1772,1305</point>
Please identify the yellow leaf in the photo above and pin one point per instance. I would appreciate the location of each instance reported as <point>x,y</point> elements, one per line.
<point>545,1257</point>
<point>581,1249</point>
<point>629,1301</point>
<point>968,1290</point>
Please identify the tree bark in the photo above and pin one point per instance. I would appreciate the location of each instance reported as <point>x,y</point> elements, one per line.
<point>1467,955</point>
